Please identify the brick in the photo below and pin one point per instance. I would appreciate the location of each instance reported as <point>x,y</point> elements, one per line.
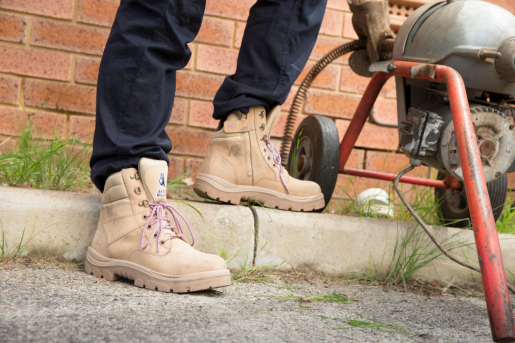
<point>338,5</point>
<point>197,86</point>
<point>348,29</point>
<point>327,79</point>
<point>281,124</point>
<point>386,111</point>
<point>215,31</point>
<point>507,4</point>
<point>68,37</point>
<point>99,12</point>
<point>189,66</point>
<point>82,128</point>
<point>60,96</point>
<point>9,89</point>
<point>86,70</point>
<point>391,163</point>
<point>175,167</point>
<point>8,145</point>
<point>178,112</point>
<point>238,35</point>
<point>13,121</point>
<point>323,45</point>
<point>201,115</point>
<point>286,106</point>
<point>193,166</point>
<point>188,142</point>
<point>389,90</point>
<point>353,83</point>
<point>332,23</point>
<point>52,8</point>
<point>232,9</point>
<point>332,104</point>
<point>13,28</point>
<point>216,60</point>
<point>372,136</point>
<point>511,180</point>
<point>44,64</point>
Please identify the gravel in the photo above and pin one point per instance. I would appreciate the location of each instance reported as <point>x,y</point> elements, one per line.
<point>66,305</point>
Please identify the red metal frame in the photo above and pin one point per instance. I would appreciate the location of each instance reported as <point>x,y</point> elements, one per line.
<point>405,179</point>
<point>483,224</point>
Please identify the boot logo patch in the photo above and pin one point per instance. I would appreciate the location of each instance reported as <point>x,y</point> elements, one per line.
<point>161,192</point>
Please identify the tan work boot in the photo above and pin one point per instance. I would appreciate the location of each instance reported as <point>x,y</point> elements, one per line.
<point>135,239</point>
<point>241,163</point>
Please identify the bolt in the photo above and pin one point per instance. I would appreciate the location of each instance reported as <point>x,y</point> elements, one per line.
<point>487,148</point>
<point>498,174</point>
<point>454,166</point>
<point>512,127</point>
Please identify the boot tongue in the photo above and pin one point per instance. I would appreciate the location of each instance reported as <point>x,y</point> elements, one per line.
<point>153,175</point>
<point>271,120</point>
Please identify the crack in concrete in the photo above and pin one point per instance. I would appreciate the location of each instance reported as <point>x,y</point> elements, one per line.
<point>256,233</point>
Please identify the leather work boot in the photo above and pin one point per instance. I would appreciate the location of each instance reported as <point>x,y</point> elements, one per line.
<point>136,239</point>
<point>242,163</point>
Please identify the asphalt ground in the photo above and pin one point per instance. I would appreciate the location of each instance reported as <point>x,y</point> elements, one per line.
<point>55,303</point>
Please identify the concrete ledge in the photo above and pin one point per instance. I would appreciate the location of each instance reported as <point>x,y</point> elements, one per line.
<point>339,245</point>
<point>64,224</point>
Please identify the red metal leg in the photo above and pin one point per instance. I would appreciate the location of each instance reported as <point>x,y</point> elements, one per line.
<point>483,224</point>
<point>361,116</point>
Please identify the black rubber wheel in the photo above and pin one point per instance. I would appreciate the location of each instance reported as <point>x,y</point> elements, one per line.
<point>315,154</point>
<point>454,205</point>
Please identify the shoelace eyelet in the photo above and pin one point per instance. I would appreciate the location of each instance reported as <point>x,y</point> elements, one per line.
<point>144,217</point>
<point>149,227</point>
<point>161,243</point>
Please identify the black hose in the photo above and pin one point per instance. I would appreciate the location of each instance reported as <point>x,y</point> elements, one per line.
<point>426,229</point>
<point>311,76</point>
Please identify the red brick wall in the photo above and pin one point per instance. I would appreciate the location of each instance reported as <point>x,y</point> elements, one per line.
<point>51,49</point>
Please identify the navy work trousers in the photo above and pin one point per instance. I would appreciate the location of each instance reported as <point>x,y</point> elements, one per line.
<point>149,43</point>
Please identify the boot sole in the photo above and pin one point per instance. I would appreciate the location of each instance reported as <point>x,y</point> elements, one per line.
<point>112,269</point>
<point>215,188</point>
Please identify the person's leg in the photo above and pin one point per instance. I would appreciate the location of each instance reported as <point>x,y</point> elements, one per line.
<point>136,82</point>
<point>135,237</point>
<point>277,42</point>
<point>241,162</point>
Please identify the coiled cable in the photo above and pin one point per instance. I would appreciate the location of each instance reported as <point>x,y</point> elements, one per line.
<point>299,98</point>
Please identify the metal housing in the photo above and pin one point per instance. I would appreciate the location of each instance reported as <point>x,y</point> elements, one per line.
<point>464,35</point>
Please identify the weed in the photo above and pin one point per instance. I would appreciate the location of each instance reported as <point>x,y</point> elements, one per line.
<point>506,222</point>
<point>19,250</point>
<point>333,297</point>
<point>39,161</point>
<point>178,188</point>
<point>369,324</point>
<point>223,252</point>
<point>294,172</point>
<point>243,274</point>
<point>411,252</point>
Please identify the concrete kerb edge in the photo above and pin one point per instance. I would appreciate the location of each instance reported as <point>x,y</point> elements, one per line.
<point>330,244</point>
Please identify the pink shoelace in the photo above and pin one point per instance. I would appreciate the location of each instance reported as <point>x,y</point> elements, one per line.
<point>276,156</point>
<point>163,223</point>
